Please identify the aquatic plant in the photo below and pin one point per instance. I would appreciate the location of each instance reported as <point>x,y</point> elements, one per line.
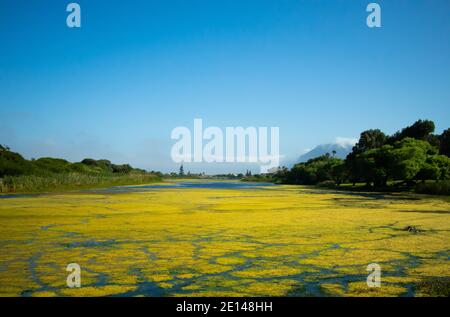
<point>269,241</point>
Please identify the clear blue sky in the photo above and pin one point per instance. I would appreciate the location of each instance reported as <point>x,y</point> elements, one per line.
<point>136,69</point>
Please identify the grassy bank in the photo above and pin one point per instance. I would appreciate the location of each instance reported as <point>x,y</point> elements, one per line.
<point>70,181</point>
<point>441,188</point>
<point>47,174</point>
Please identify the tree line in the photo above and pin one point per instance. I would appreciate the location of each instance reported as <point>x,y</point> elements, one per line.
<point>18,174</point>
<point>411,155</point>
<point>14,164</point>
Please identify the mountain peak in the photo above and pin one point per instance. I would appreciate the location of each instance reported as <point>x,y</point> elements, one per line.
<point>342,150</point>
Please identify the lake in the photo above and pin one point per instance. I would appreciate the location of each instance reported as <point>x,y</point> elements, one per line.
<point>218,238</point>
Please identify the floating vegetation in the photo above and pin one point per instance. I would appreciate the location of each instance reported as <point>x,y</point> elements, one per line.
<point>436,287</point>
<point>187,241</point>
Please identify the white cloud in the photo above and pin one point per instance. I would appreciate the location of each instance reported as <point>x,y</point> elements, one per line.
<point>345,141</point>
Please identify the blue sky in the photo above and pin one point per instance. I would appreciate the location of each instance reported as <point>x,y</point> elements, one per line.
<point>116,87</point>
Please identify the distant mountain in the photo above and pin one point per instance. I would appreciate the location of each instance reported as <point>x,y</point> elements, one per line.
<point>342,150</point>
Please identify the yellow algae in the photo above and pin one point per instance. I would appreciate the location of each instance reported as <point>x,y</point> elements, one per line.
<point>264,272</point>
<point>431,267</point>
<point>333,289</point>
<point>271,241</point>
<point>44,294</point>
<point>361,289</point>
<point>97,291</point>
<point>269,288</point>
<point>165,285</point>
<point>230,260</point>
<point>10,291</point>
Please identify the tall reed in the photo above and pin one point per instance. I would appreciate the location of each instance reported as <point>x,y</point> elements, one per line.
<point>67,181</point>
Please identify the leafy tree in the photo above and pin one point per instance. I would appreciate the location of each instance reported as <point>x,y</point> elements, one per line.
<point>281,175</point>
<point>339,173</point>
<point>49,165</point>
<point>370,139</point>
<point>314,171</point>
<point>12,163</point>
<point>401,161</point>
<point>429,170</point>
<point>436,167</point>
<point>408,157</point>
<point>101,166</point>
<point>420,130</point>
<point>444,139</point>
<point>372,166</point>
<point>90,162</point>
<point>181,173</point>
<point>122,169</point>
<point>105,165</point>
<point>443,162</point>
<point>434,140</point>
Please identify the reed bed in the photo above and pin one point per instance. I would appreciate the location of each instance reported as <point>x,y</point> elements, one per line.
<point>67,181</point>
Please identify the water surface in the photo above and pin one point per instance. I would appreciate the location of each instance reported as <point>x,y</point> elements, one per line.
<point>169,185</point>
<point>184,184</point>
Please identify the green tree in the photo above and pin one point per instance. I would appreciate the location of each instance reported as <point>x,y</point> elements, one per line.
<point>314,171</point>
<point>408,157</point>
<point>420,130</point>
<point>181,173</point>
<point>339,173</point>
<point>429,171</point>
<point>372,166</point>
<point>49,165</point>
<point>436,167</point>
<point>368,140</point>
<point>444,139</point>
<point>12,163</point>
<point>122,169</point>
<point>443,162</point>
<point>401,161</point>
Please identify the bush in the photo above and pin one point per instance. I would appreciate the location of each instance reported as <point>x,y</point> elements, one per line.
<point>327,184</point>
<point>436,188</point>
<point>12,163</point>
<point>314,171</point>
<point>49,165</point>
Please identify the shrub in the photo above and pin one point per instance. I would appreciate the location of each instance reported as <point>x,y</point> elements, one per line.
<point>435,188</point>
<point>327,184</point>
